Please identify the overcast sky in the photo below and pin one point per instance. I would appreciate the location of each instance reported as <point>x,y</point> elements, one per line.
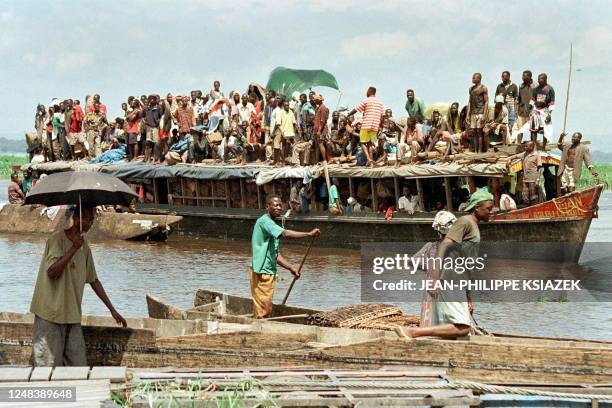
<point>70,49</point>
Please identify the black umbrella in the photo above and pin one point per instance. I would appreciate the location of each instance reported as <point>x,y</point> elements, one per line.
<point>80,187</point>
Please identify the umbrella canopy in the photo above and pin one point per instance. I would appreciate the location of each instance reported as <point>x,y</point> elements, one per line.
<point>285,81</point>
<point>72,187</point>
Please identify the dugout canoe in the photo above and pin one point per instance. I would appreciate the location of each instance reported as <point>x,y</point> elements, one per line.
<point>148,343</point>
<point>33,219</point>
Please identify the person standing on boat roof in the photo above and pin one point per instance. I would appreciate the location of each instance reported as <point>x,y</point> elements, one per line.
<point>451,310</point>
<point>477,112</point>
<point>415,106</point>
<point>373,111</point>
<point>265,254</point>
<point>543,102</point>
<point>572,156</point>
<point>66,266</point>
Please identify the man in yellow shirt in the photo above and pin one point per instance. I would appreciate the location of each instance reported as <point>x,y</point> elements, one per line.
<point>287,125</point>
<point>67,265</point>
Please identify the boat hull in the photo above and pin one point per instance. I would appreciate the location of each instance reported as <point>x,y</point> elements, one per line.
<point>27,219</point>
<point>512,360</point>
<point>560,226</point>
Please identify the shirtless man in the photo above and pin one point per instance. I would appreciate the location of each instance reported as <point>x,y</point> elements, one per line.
<point>478,106</point>
<point>572,156</point>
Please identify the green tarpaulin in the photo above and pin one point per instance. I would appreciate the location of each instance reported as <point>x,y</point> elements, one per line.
<point>286,81</point>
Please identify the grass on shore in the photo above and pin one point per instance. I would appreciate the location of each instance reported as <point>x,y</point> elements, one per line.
<point>605,175</point>
<point>7,162</point>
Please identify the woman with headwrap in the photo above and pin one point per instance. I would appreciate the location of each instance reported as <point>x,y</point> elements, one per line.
<point>451,309</point>
<point>442,223</point>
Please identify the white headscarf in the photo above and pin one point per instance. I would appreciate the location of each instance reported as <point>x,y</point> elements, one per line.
<point>443,221</point>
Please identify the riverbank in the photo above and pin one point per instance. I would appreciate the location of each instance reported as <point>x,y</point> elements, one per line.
<point>7,161</point>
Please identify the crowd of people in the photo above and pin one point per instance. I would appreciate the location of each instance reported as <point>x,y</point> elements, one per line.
<point>261,125</point>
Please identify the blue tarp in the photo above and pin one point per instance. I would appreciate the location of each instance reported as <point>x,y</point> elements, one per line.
<point>110,156</point>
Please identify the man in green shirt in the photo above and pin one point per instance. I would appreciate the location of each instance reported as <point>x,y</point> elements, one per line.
<point>265,245</point>
<point>67,265</point>
<point>451,317</point>
<point>415,106</point>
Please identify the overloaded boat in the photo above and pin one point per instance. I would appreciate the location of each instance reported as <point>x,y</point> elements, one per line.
<point>223,201</point>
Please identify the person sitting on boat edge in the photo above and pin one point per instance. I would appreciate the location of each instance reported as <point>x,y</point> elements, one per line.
<point>265,254</point>
<point>15,194</point>
<point>451,310</point>
<point>66,265</point>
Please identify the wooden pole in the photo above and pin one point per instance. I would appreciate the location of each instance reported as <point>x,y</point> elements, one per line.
<point>448,193</point>
<point>299,270</point>
<point>567,94</point>
<point>420,194</point>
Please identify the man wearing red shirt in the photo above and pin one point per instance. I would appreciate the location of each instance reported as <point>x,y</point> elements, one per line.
<point>96,99</point>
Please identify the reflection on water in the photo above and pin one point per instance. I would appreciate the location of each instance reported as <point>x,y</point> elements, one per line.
<point>331,277</point>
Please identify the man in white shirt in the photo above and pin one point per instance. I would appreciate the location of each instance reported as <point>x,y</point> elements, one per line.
<point>245,110</point>
<point>408,203</point>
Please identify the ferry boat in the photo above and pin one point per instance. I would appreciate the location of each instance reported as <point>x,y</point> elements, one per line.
<point>223,201</point>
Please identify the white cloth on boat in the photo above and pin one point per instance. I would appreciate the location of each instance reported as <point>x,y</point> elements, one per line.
<point>51,212</point>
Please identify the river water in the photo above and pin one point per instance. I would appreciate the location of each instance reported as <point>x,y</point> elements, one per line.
<point>174,270</point>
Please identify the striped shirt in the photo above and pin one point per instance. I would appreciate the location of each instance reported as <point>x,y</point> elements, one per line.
<point>373,110</point>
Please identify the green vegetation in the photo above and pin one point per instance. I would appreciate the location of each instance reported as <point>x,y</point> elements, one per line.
<point>7,162</point>
<point>164,394</point>
<point>605,176</point>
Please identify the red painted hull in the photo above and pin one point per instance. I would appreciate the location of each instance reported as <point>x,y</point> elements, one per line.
<point>581,204</point>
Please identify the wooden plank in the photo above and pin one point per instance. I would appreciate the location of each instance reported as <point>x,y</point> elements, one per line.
<point>242,194</point>
<point>155,193</point>
<point>41,374</point>
<point>420,194</point>
<point>70,373</point>
<point>114,374</point>
<point>15,373</point>
<point>228,202</point>
<point>374,196</point>
<point>197,191</point>
<point>396,188</point>
<point>259,201</point>
<point>448,193</point>
<point>183,194</point>
<point>212,192</point>
<point>170,197</point>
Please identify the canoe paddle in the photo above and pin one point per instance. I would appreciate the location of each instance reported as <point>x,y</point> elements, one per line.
<point>299,270</point>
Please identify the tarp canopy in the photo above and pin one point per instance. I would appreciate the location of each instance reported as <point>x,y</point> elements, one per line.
<point>263,174</point>
<point>286,81</point>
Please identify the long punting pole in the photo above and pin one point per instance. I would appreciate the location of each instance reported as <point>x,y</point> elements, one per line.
<point>569,81</point>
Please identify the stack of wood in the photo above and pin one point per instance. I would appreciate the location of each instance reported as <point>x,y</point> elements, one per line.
<point>364,316</point>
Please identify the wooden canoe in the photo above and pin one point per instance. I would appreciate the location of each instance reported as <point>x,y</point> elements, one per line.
<point>150,343</point>
<point>28,219</point>
<point>213,305</point>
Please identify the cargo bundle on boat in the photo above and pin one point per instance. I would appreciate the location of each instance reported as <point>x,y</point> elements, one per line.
<point>225,200</point>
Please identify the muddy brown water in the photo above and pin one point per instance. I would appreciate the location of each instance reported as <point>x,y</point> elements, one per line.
<point>174,270</point>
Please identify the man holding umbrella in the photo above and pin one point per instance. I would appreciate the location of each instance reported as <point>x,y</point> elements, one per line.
<point>67,265</point>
